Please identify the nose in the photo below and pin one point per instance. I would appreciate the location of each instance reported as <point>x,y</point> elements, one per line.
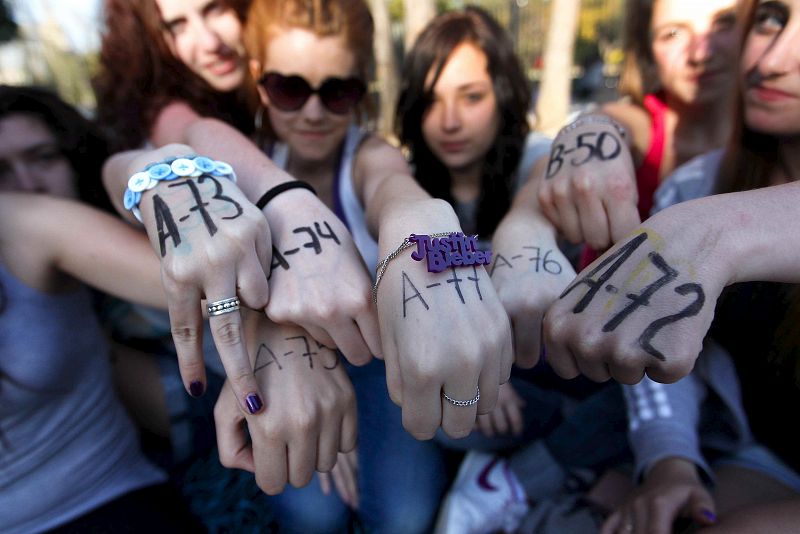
<point>451,116</point>
<point>27,181</point>
<point>206,38</point>
<point>783,53</point>
<point>313,110</point>
<point>700,48</point>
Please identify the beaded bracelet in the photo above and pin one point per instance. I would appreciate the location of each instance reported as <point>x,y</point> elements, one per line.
<point>594,119</point>
<point>170,169</point>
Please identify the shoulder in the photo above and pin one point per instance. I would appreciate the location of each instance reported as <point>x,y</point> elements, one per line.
<point>693,179</point>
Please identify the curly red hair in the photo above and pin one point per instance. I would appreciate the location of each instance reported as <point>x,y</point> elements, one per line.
<point>139,76</point>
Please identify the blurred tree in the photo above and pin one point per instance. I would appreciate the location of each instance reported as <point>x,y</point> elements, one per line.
<point>416,14</point>
<point>8,28</point>
<point>552,106</point>
<point>386,71</point>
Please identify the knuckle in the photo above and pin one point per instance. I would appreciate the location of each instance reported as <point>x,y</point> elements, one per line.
<point>228,333</point>
<point>583,185</point>
<point>620,187</point>
<point>183,334</point>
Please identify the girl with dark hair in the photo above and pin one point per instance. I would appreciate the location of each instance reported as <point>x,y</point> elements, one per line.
<point>70,453</point>
<point>605,166</point>
<point>312,60</point>
<point>722,422</point>
<point>463,116</point>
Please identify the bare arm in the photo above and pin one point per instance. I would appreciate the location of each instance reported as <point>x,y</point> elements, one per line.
<point>87,244</point>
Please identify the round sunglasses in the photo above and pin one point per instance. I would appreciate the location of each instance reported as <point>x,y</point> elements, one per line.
<point>290,93</point>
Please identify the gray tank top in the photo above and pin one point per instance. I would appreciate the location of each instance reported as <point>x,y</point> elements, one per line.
<point>67,445</point>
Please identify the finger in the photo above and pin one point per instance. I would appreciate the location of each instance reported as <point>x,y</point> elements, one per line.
<point>595,370</point>
<point>328,443</point>
<point>394,380</point>
<point>702,508</point>
<point>506,354</point>
<point>640,517</point>
<point>367,323</point>
<point>591,213</point>
<point>547,204</point>
<point>623,217</point>
<point>345,478</point>
<point>264,248</point>
<point>611,524</point>
<point>186,324</point>
<point>567,212</point>
<point>252,283</point>
<point>489,383</point>
<point>458,420</point>
<point>526,341</point>
<point>325,482</point>
<point>234,448</point>
<point>271,465</point>
<point>229,339</point>
<point>347,337</point>
<point>302,458</point>
<point>558,356</point>
<point>662,514</point>
<point>422,408</point>
<point>320,335</point>
<point>626,374</point>
<point>514,417</point>
<point>484,423</point>
<point>348,435</point>
<point>499,420</point>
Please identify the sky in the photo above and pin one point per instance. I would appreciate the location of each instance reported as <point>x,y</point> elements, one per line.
<point>80,18</point>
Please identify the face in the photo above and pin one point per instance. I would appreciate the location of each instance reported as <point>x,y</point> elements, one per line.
<point>206,36</point>
<point>694,45</point>
<point>463,120</point>
<point>31,160</point>
<point>770,67</point>
<point>313,132</point>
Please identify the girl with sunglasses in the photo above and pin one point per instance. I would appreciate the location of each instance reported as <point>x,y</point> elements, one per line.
<point>312,60</point>
<point>174,71</point>
<point>724,419</point>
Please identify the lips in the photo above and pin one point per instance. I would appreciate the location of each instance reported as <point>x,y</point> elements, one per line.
<point>770,94</point>
<point>453,146</point>
<point>223,65</point>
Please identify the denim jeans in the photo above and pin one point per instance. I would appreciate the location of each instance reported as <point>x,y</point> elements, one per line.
<point>400,479</point>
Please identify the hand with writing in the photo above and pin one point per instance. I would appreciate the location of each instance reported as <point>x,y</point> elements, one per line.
<point>310,413</point>
<point>589,188</point>
<point>671,489</point>
<point>645,305</point>
<point>318,280</point>
<point>442,333</point>
<point>213,245</point>
<point>529,272</point>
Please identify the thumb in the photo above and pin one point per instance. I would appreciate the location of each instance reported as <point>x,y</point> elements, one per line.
<point>701,508</point>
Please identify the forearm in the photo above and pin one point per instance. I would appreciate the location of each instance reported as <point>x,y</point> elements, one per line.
<point>751,235</point>
<point>255,171</point>
<point>396,193</point>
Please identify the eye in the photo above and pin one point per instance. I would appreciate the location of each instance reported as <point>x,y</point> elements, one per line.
<point>670,33</point>
<point>473,97</point>
<point>724,23</point>
<point>175,27</point>
<point>770,18</point>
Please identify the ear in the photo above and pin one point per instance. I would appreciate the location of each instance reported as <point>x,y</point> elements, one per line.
<point>255,73</point>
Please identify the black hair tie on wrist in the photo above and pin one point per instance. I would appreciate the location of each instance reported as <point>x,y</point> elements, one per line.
<point>281,188</point>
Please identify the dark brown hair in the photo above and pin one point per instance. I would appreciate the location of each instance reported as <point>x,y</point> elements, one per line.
<point>512,91</point>
<point>638,69</point>
<point>139,76</point>
<point>79,140</point>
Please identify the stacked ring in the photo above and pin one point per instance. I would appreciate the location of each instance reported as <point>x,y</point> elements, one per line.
<point>469,402</point>
<point>221,307</point>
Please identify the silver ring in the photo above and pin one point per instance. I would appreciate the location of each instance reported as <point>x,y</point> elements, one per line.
<point>469,402</point>
<point>221,307</point>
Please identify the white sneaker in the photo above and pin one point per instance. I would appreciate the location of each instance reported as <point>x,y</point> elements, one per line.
<point>485,497</point>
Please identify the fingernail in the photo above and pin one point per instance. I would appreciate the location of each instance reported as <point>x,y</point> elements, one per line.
<point>196,389</point>
<point>708,514</point>
<point>254,403</point>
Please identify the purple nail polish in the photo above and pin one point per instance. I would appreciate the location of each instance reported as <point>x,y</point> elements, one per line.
<point>254,403</point>
<point>196,389</point>
<point>708,514</point>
